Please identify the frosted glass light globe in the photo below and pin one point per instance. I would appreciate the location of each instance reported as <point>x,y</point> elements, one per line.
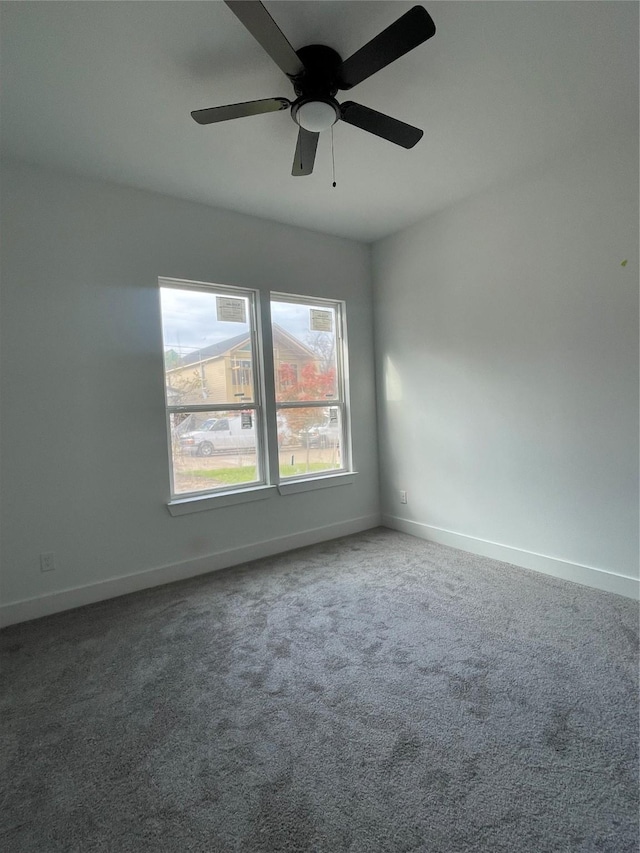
<point>316,116</point>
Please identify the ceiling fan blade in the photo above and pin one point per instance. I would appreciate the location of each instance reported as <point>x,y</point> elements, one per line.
<point>382,125</point>
<point>410,30</point>
<point>267,33</point>
<point>248,108</point>
<point>305,155</point>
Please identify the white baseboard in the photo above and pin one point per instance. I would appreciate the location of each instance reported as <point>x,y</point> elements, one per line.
<point>45,605</point>
<point>585,575</point>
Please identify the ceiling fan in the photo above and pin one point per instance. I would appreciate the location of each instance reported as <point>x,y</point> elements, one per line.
<point>317,72</point>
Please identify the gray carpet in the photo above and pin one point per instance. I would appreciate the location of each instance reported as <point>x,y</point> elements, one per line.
<point>375,694</point>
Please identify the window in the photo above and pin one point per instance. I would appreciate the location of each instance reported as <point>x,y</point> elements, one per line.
<point>218,421</point>
<point>310,393</point>
<point>241,373</point>
<point>213,411</point>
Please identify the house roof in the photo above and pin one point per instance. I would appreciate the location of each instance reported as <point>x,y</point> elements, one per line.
<point>279,332</point>
<point>213,350</point>
<point>222,347</point>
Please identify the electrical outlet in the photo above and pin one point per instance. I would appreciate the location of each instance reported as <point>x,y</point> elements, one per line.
<point>403,496</point>
<point>47,563</point>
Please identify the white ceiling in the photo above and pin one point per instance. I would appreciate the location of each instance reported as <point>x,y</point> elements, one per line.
<point>106,88</point>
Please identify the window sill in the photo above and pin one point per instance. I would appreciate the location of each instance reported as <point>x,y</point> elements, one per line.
<point>200,503</point>
<point>294,487</point>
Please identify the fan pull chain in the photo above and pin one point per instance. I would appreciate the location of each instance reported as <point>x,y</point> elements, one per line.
<point>333,159</point>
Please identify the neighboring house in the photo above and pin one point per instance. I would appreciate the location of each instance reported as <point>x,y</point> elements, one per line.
<point>222,373</point>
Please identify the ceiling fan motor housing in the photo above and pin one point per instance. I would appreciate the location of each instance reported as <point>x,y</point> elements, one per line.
<point>320,77</point>
<point>315,108</point>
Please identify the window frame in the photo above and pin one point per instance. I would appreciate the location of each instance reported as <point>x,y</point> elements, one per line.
<point>256,404</point>
<point>342,401</point>
<point>265,404</point>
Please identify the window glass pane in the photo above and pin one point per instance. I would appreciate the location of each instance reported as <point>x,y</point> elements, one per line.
<point>309,440</point>
<point>207,347</point>
<point>304,351</point>
<point>213,450</point>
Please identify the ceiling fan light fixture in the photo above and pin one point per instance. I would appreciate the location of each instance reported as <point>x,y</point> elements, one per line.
<point>315,116</point>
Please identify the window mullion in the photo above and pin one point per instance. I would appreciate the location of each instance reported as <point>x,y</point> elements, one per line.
<point>269,415</point>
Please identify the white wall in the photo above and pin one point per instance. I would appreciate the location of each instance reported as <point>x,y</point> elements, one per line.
<point>507,355</point>
<point>84,461</point>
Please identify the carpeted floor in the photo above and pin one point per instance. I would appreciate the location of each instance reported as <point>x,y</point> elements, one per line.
<point>375,694</point>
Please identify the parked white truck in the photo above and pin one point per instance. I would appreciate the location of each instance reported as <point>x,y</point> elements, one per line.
<point>226,434</point>
<point>219,435</point>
